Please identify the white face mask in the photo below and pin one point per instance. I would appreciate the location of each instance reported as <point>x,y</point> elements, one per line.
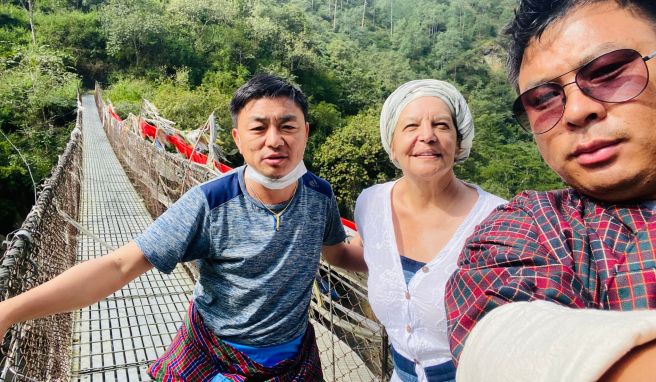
<point>279,183</point>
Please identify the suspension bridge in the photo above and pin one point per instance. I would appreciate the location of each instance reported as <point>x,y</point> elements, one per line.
<point>108,185</point>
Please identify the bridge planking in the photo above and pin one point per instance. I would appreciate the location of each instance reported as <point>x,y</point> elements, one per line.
<point>117,338</point>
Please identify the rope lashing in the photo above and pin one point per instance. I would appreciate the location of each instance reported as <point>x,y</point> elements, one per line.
<point>19,244</point>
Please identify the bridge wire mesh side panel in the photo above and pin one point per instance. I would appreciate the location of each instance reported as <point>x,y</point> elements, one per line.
<point>42,248</point>
<point>352,343</point>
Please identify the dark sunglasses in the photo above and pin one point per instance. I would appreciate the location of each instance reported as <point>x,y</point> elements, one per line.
<point>614,77</point>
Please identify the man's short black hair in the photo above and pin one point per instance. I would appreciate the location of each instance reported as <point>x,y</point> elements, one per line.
<point>266,86</point>
<point>532,17</point>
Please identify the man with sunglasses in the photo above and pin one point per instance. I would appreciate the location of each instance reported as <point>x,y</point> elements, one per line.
<point>561,285</point>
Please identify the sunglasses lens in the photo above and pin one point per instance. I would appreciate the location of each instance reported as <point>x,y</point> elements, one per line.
<point>539,109</point>
<point>617,76</point>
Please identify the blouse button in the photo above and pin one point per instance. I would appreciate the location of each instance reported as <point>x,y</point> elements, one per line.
<point>424,269</point>
<point>416,361</point>
<point>408,328</point>
<point>407,295</point>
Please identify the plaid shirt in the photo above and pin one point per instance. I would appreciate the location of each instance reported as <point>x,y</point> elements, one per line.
<point>557,246</point>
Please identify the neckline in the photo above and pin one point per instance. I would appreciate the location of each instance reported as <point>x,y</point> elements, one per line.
<point>259,204</point>
<point>649,204</point>
<point>277,215</point>
<point>411,261</point>
<point>437,258</point>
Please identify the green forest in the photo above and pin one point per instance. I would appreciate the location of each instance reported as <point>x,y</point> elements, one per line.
<point>188,58</point>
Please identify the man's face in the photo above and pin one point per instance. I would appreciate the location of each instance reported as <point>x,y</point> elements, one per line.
<point>604,150</point>
<point>271,134</point>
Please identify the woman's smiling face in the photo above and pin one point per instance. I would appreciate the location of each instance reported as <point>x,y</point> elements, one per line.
<point>425,141</point>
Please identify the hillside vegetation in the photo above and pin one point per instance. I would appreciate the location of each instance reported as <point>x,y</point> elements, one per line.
<point>188,57</point>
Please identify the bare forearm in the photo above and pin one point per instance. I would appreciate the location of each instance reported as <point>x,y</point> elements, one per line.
<point>353,259</point>
<point>347,256</point>
<point>77,287</point>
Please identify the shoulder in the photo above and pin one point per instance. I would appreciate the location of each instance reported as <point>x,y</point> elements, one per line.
<point>222,189</point>
<point>487,202</point>
<point>372,199</point>
<point>529,210</point>
<point>317,184</point>
<point>540,202</point>
<point>489,198</point>
<point>376,190</point>
<point>533,224</point>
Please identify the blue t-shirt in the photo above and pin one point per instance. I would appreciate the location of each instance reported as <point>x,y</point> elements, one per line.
<point>255,282</point>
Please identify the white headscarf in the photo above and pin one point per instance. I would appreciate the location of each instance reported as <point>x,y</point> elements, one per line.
<point>408,92</point>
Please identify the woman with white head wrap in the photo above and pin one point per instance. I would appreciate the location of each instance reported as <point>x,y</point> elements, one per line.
<point>444,91</point>
<point>414,228</point>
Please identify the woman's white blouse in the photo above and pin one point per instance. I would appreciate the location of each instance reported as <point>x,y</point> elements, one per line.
<point>414,314</point>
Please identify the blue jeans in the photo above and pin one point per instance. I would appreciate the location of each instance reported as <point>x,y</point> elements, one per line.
<point>405,369</point>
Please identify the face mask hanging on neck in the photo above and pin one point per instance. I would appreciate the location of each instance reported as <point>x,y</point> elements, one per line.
<point>279,183</point>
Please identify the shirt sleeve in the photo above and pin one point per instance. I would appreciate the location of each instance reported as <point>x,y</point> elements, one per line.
<point>544,341</point>
<point>503,262</point>
<point>180,234</point>
<point>334,232</point>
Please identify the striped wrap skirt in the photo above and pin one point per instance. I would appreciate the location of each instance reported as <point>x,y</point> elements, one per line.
<point>196,355</point>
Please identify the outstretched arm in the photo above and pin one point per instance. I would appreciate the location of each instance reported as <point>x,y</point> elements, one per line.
<point>546,341</point>
<point>520,305</point>
<point>79,286</point>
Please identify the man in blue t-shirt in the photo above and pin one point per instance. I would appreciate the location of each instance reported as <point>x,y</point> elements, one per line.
<point>257,233</point>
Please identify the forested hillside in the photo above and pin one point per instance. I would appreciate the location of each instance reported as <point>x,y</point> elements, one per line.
<point>188,57</point>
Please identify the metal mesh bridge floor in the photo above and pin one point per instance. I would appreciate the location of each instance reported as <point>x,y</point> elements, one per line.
<point>117,338</point>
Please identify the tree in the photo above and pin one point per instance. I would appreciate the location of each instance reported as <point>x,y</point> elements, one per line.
<point>14,25</point>
<point>37,108</point>
<point>30,12</point>
<point>80,35</point>
<point>189,57</point>
<point>515,167</point>
<point>353,158</point>
<point>284,37</point>
<point>133,28</point>
<point>324,118</point>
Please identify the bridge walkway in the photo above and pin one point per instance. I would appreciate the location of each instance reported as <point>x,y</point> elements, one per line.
<point>115,339</point>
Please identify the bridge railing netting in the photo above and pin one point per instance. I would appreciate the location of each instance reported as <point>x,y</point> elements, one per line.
<point>339,300</point>
<point>42,248</point>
